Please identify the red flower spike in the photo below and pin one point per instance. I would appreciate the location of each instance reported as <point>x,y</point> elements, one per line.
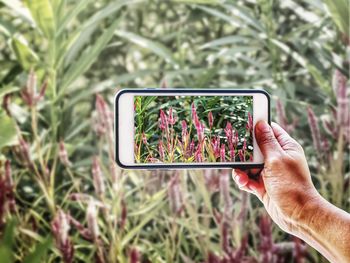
<point>171,118</point>
<point>222,153</point>
<point>161,150</point>
<point>60,228</point>
<point>63,155</point>
<point>144,138</point>
<point>210,119</point>
<point>98,180</point>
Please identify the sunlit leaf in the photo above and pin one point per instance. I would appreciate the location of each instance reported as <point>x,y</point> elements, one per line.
<point>25,55</point>
<point>8,134</point>
<point>340,12</point>
<point>42,13</point>
<point>39,252</point>
<point>207,2</point>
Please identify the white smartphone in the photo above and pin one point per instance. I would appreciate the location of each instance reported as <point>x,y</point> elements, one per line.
<point>189,128</point>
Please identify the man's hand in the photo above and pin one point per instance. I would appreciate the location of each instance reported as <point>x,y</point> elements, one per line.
<point>285,184</point>
<point>289,196</point>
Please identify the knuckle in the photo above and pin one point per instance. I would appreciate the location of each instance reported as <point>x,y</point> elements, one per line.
<point>274,161</point>
<point>266,137</point>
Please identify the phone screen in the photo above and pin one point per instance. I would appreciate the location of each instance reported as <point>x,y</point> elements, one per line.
<point>193,129</point>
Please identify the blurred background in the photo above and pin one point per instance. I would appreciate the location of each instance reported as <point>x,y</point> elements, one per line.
<point>63,199</point>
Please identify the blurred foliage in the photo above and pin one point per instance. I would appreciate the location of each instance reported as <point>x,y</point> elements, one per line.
<point>56,134</point>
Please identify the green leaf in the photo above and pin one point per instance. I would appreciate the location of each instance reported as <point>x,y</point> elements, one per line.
<point>6,28</point>
<point>7,241</point>
<point>207,2</point>
<point>222,16</point>
<point>84,33</point>
<point>88,57</point>
<point>71,15</point>
<point>156,47</point>
<point>8,134</point>
<point>7,89</point>
<point>42,13</point>
<point>39,252</point>
<point>226,41</point>
<point>11,74</point>
<point>25,56</point>
<point>339,10</point>
<point>245,15</point>
<point>21,11</point>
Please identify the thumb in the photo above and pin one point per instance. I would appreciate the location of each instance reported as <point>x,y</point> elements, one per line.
<point>266,140</point>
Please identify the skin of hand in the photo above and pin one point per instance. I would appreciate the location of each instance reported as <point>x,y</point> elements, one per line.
<point>290,198</point>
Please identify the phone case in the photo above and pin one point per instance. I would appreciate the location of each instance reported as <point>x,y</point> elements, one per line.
<point>185,166</point>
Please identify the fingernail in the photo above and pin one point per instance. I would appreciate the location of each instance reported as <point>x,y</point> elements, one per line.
<point>262,126</point>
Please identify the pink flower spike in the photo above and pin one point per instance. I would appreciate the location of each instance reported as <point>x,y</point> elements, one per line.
<point>198,155</point>
<point>232,154</point>
<point>171,118</point>
<point>222,153</point>
<point>134,256</point>
<point>144,138</point>
<point>91,219</point>
<point>9,187</point>
<point>192,147</point>
<point>42,91</point>
<point>200,132</point>
<point>228,132</point>
<point>241,155</point>
<point>63,155</point>
<point>235,138</point>
<point>194,115</point>
<point>98,180</point>
<point>60,228</point>
<point>281,115</point>
<point>163,124</point>
<point>210,119</point>
<point>244,145</point>
<point>250,123</point>
<point>161,150</point>
<point>340,89</point>
<point>175,194</point>
<point>315,131</point>
<point>184,130</point>
<point>216,146</point>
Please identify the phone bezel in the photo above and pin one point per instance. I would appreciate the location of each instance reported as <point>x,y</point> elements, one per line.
<point>184,91</point>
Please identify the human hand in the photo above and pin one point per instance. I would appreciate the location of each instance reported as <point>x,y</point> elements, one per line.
<point>284,185</point>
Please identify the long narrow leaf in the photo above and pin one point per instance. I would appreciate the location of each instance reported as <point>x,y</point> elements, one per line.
<point>83,34</point>
<point>88,57</point>
<point>156,47</point>
<point>71,15</point>
<point>340,13</point>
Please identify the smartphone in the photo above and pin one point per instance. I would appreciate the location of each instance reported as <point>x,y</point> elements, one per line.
<point>189,128</point>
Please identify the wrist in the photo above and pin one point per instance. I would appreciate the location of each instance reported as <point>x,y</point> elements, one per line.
<point>309,211</point>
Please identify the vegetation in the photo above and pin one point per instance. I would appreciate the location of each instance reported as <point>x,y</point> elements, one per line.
<point>62,198</point>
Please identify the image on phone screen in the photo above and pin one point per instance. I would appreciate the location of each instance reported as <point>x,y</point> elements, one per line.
<point>193,129</point>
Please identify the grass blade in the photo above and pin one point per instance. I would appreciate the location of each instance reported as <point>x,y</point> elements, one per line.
<point>339,10</point>
<point>156,47</point>
<point>88,57</point>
